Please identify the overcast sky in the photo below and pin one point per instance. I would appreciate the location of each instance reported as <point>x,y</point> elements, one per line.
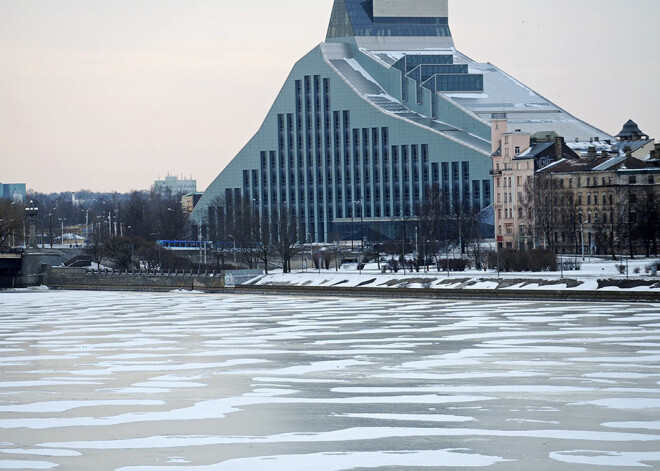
<point>113,94</point>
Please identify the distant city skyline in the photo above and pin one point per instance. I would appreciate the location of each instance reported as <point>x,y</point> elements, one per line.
<point>111,94</point>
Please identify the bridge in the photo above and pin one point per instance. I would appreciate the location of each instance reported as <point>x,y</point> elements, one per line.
<point>10,269</point>
<point>24,267</point>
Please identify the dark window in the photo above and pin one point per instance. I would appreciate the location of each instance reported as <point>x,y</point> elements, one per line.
<point>465,166</point>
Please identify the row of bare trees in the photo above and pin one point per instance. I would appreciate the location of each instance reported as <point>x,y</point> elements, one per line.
<point>559,218</point>
<point>238,228</point>
<point>446,220</point>
<point>442,223</point>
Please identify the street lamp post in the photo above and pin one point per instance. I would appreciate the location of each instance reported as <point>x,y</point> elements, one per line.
<point>234,240</point>
<point>62,233</point>
<point>403,246</point>
<point>311,251</point>
<point>424,241</point>
<point>86,211</point>
<point>31,211</point>
<point>359,203</point>
<point>352,227</point>
<point>447,250</point>
<point>416,242</point>
<point>201,239</point>
<point>582,237</point>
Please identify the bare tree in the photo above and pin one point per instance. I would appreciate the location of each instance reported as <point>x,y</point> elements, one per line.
<point>540,198</point>
<point>219,228</point>
<point>611,226</point>
<point>432,215</point>
<point>647,220</point>
<point>287,237</point>
<point>569,218</point>
<point>12,218</point>
<point>120,251</point>
<point>262,236</point>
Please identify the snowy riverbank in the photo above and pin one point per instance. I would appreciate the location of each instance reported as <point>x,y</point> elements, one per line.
<point>594,275</point>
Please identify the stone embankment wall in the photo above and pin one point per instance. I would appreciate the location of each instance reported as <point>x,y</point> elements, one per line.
<point>109,280</point>
<point>470,294</point>
<point>34,261</point>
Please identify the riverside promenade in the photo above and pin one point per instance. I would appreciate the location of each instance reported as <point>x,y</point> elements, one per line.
<point>350,284</point>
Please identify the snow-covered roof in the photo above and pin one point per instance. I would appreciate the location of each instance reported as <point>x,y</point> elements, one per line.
<point>582,146</point>
<point>526,110</point>
<point>364,84</point>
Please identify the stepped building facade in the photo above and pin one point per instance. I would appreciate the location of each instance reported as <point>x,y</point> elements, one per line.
<point>373,117</point>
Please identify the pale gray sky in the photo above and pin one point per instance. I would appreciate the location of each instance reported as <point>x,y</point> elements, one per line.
<point>111,94</point>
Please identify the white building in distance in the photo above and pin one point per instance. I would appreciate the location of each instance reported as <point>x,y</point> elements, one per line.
<point>174,186</point>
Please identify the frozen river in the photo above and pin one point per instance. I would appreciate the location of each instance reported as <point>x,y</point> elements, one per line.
<point>194,382</point>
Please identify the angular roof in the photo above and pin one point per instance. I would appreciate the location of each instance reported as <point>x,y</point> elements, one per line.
<point>536,150</point>
<point>417,46</point>
<point>497,92</point>
<point>600,164</point>
<point>634,145</point>
<point>342,60</point>
<point>631,132</point>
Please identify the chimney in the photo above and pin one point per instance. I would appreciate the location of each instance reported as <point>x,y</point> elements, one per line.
<point>591,153</point>
<point>605,153</point>
<point>652,155</point>
<point>596,139</point>
<point>559,147</point>
<point>628,151</point>
<point>657,149</point>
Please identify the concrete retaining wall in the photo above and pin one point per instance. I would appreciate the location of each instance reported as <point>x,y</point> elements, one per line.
<point>476,294</point>
<point>82,279</point>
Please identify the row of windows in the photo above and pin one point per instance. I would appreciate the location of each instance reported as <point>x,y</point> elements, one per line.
<point>423,72</point>
<point>456,83</point>
<point>605,181</point>
<point>322,166</point>
<point>412,20</point>
<point>409,62</point>
<point>354,17</point>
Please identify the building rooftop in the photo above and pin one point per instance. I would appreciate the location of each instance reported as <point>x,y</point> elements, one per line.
<point>634,146</point>
<point>631,132</point>
<point>599,164</point>
<point>418,43</point>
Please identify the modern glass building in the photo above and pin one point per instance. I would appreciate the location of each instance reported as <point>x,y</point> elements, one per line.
<point>368,120</point>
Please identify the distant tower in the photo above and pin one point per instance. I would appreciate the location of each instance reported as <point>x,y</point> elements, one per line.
<point>411,8</point>
<point>631,132</point>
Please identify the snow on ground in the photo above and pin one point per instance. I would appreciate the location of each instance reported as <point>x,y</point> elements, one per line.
<point>585,279</point>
